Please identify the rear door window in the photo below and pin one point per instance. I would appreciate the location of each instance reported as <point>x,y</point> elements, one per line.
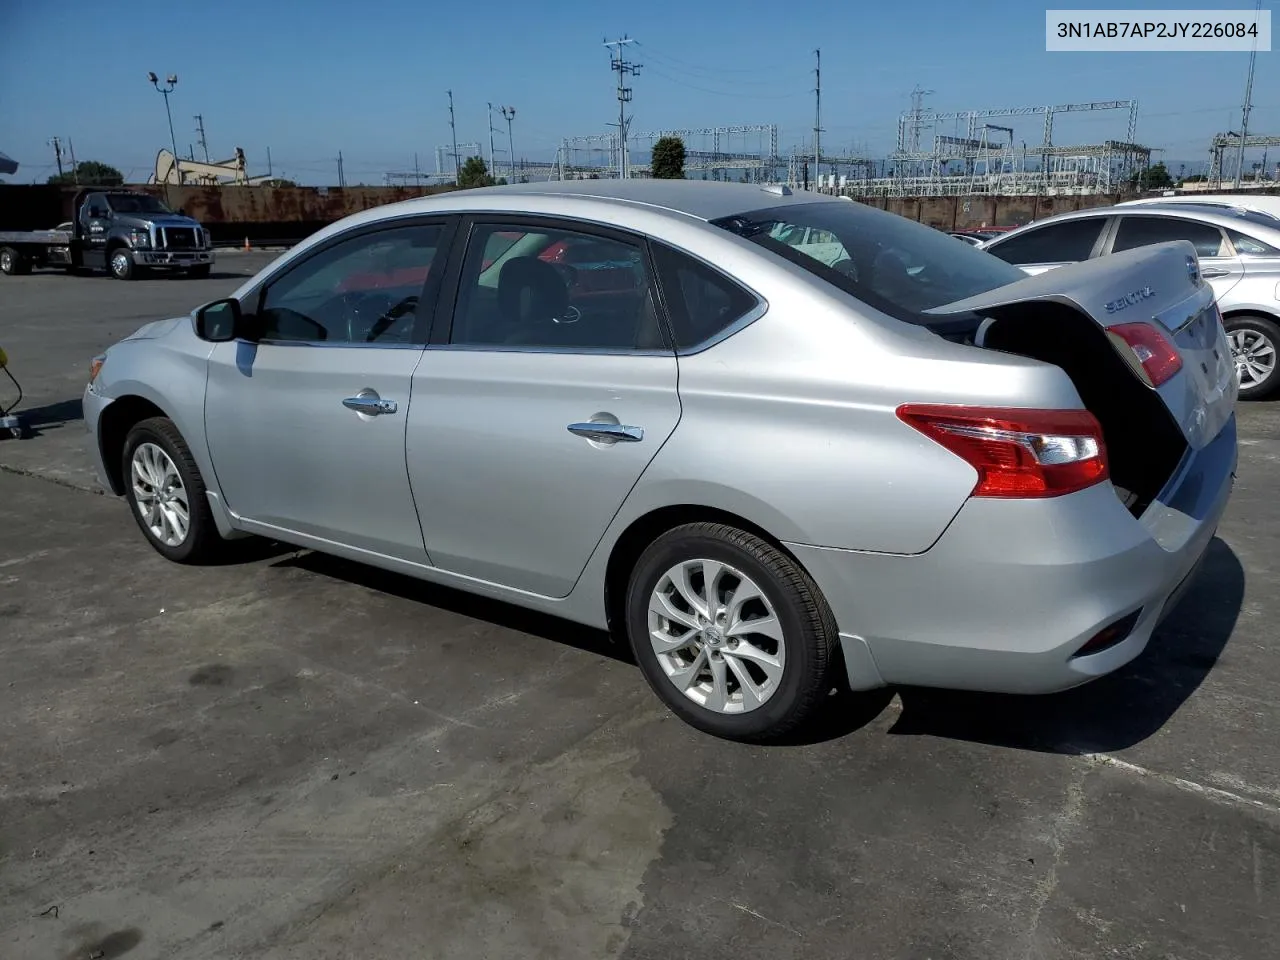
<point>1067,242</point>
<point>702,302</point>
<point>1142,231</point>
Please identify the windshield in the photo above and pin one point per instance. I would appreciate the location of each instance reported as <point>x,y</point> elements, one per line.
<point>895,265</point>
<point>135,203</point>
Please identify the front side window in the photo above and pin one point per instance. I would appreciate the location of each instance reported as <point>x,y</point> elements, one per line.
<point>1067,242</point>
<point>1144,231</point>
<point>544,286</point>
<point>895,265</point>
<point>363,290</point>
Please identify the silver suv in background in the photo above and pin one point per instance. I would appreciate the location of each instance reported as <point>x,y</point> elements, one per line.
<point>1239,253</point>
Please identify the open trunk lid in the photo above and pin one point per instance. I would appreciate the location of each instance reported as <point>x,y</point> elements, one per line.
<point>1159,285</point>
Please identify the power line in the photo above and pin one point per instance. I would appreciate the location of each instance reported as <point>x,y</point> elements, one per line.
<point>623,68</point>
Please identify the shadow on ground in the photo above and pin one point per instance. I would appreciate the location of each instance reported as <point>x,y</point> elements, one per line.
<point>1111,713</point>
<point>467,604</point>
<point>1108,714</point>
<point>52,415</point>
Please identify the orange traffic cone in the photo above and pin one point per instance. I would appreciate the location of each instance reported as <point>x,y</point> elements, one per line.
<point>247,248</point>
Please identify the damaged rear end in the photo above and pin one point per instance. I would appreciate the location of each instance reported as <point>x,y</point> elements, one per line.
<point>1141,338</point>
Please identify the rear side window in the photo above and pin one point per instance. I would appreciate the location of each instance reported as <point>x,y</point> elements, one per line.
<point>701,302</point>
<point>1143,231</point>
<point>1068,242</point>
<point>1249,247</point>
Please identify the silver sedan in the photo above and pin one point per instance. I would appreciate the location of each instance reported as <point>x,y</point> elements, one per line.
<point>1239,253</point>
<point>777,442</point>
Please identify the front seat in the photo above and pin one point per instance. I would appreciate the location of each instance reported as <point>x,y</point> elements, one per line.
<point>532,296</point>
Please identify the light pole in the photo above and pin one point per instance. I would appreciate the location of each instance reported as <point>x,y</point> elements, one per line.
<point>510,114</point>
<point>170,82</point>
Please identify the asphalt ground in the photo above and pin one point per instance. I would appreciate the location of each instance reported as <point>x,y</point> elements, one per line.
<point>298,757</point>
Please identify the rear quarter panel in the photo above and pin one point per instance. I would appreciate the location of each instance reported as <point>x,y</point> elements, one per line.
<point>791,423</point>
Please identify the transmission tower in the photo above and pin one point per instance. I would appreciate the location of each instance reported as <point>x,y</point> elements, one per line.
<point>200,138</point>
<point>623,68</point>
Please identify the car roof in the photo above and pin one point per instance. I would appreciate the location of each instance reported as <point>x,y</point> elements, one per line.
<point>703,200</point>
<point>1217,217</point>
<point>1267,202</point>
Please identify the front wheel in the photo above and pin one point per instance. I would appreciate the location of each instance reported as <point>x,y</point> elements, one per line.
<point>121,264</point>
<point>200,273</point>
<point>164,487</point>
<point>731,633</point>
<point>1255,341</point>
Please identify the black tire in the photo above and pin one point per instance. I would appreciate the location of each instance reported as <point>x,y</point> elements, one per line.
<point>120,264</point>
<point>200,273</point>
<point>808,630</point>
<point>202,543</point>
<point>1269,331</point>
<point>13,263</point>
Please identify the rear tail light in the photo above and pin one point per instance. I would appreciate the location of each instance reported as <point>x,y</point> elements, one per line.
<point>1152,356</point>
<point>1017,452</point>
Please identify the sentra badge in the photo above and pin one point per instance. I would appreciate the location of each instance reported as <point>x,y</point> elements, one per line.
<point>1129,299</point>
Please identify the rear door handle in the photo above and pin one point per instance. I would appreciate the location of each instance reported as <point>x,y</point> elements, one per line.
<point>370,404</point>
<point>607,432</point>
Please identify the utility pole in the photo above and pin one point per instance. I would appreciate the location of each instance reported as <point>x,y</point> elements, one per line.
<point>417,176</point>
<point>75,170</point>
<point>268,161</point>
<point>170,82</point>
<point>1248,102</point>
<point>491,139</point>
<point>457,164</point>
<point>201,140</point>
<point>623,68</point>
<point>57,153</point>
<point>342,180</point>
<point>509,113</point>
<point>817,120</point>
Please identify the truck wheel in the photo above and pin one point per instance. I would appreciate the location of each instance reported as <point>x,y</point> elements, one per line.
<point>13,263</point>
<point>200,272</point>
<point>1255,348</point>
<point>122,265</point>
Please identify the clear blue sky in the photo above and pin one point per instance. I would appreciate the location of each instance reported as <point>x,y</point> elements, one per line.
<point>311,78</point>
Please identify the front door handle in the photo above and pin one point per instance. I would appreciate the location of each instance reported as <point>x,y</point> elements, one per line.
<point>607,432</point>
<point>1212,273</point>
<point>370,404</point>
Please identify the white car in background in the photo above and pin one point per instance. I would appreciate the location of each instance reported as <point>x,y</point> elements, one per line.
<point>1260,204</point>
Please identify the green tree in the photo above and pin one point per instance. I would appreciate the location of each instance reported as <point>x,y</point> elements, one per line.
<point>1155,177</point>
<point>667,162</point>
<point>90,173</point>
<point>475,174</point>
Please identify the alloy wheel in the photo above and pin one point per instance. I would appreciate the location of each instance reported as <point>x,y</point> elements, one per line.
<point>119,264</point>
<point>716,636</point>
<point>1254,355</point>
<point>160,495</point>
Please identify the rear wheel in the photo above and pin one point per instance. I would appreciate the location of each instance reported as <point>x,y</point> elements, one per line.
<point>120,262</point>
<point>164,487</point>
<point>730,632</point>
<point>13,263</point>
<point>1255,344</point>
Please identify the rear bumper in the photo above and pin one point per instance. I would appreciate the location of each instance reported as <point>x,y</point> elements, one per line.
<point>1014,588</point>
<point>173,258</point>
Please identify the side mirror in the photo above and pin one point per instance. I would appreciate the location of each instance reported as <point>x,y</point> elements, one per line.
<point>219,321</point>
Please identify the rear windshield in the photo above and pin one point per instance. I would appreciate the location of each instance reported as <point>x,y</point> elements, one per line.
<point>895,265</point>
